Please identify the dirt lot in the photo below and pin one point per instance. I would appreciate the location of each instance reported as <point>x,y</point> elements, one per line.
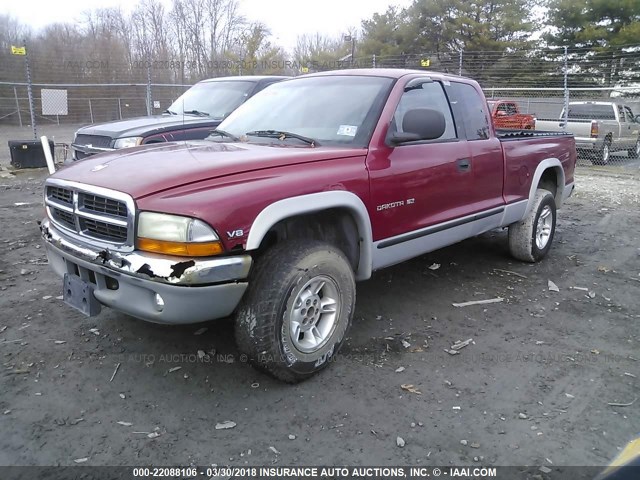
<point>531,389</point>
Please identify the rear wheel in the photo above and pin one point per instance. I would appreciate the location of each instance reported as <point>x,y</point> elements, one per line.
<point>299,306</point>
<point>530,240</point>
<point>602,157</point>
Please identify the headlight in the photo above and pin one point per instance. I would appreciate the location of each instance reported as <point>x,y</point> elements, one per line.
<point>127,142</point>
<point>176,235</point>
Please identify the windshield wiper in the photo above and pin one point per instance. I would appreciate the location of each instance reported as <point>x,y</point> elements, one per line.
<point>170,112</point>
<point>196,112</point>
<point>223,133</point>
<point>281,135</point>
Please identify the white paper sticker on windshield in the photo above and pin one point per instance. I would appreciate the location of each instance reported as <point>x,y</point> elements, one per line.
<point>347,130</point>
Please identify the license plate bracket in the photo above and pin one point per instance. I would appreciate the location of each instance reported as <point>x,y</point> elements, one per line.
<point>78,294</point>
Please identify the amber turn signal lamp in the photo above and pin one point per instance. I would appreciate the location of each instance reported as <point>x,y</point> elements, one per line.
<point>194,249</point>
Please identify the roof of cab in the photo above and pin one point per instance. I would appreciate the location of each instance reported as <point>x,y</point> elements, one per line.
<point>245,78</point>
<point>384,72</point>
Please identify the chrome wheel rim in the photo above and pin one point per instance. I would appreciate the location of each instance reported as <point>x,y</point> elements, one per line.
<point>605,153</point>
<point>638,148</point>
<point>314,314</point>
<point>543,227</point>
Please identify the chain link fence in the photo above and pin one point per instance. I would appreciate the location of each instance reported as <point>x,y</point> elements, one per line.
<point>75,91</point>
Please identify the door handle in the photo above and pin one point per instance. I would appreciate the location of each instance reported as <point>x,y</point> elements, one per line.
<point>464,164</point>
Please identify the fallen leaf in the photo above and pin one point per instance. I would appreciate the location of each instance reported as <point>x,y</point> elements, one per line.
<point>225,425</point>
<point>410,388</point>
<point>435,266</point>
<point>81,460</point>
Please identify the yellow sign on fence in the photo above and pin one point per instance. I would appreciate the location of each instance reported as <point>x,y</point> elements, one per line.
<point>425,62</point>
<point>18,50</point>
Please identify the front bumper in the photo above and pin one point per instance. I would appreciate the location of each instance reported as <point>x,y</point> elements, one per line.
<point>193,290</point>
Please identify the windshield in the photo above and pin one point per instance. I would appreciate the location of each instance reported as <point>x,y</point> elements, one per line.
<point>215,99</point>
<point>331,110</point>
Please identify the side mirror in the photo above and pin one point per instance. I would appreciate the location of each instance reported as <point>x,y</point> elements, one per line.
<point>501,113</point>
<point>420,124</point>
<point>637,119</point>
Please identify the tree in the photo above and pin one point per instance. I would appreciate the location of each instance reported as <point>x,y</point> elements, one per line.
<point>485,30</point>
<point>597,32</point>
<point>319,52</point>
<point>386,34</point>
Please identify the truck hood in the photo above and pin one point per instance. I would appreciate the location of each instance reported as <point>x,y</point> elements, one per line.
<point>148,169</point>
<point>139,126</point>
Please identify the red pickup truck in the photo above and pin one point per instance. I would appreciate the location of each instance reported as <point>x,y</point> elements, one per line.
<point>506,114</point>
<point>310,186</point>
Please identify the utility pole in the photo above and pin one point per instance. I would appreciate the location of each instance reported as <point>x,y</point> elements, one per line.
<point>566,89</point>
<point>30,91</point>
<point>352,39</point>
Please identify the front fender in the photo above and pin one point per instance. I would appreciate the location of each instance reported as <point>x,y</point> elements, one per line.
<point>316,202</point>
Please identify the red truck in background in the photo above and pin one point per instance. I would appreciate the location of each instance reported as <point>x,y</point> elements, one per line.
<point>506,115</point>
<point>310,186</point>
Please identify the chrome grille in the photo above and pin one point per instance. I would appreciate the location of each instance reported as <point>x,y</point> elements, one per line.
<point>94,203</point>
<point>64,218</point>
<point>99,216</point>
<point>103,230</point>
<point>93,140</point>
<point>60,194</point>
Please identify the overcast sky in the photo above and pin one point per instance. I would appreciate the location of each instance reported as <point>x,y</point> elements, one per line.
<point>286,18</point>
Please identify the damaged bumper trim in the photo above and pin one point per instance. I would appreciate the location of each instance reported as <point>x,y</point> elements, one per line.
<point>151,287</point>
<point>153,267</point>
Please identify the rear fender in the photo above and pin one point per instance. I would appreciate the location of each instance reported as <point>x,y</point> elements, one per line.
<point>543,166</point>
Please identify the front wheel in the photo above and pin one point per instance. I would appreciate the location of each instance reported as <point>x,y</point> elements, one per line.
<point>299,306</point>
<point>635,151</point>
<point>530,240</point>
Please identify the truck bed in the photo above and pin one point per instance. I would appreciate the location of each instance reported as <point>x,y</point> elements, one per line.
<point>525,149</point>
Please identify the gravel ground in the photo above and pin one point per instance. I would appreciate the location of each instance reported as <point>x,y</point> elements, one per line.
<point>531,388</point>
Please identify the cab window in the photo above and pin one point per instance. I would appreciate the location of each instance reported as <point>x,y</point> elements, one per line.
<point>427,95</point>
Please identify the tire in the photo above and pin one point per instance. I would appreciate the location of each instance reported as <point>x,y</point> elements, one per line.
<point>603,156</point>
<point>530,239</point>
<point>635,151</point>
<point>281,301</point>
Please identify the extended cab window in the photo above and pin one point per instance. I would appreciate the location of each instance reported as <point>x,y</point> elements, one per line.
<point>470,110</point>
<point>428,95</point>
<point>630,117</point>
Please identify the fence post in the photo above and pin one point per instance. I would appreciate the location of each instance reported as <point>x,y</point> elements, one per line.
<point>119,109</point>
<point>90,111</point>
<point>566,90</point>
<point>149,112</point>
<point>15,94</point>
<point>460,64</point>
<point>373,60</point>
<point>30,92</point>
